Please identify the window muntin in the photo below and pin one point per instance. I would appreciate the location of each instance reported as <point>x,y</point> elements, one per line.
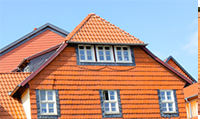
<point>86,53</point>
<point>110,102</point>
<point>47,102</point>
<point>167,101</point>
<point>122,54</point>
<point>104,53</point>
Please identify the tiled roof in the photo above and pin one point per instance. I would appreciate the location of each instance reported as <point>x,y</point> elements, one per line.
<point>191,90</point>
<point>94,29</point>
<point>199,61</point>
<point>9,107</point>
<point>173,63</point>
<point>37,43</point>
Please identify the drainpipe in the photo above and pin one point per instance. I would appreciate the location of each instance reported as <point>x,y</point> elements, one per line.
<point>189,107</point>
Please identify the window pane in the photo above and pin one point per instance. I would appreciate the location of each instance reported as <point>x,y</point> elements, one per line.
<point>170,109</point>
<point>89,57</point>
<point>44,110</point>
<point>51,105</point>
<point>162,98</point>
<point>126,58</point>
<point>88,47</point>
<point>112,97</point>
<point>170,104</point>
<point>50,97</point>
<point>82,52</point>
<point>112,93</point>
<point>43,97</point>
<point>119,53</point>
<point>105,95</point>
<point>106,109</point>
<point>164,109</point>
<point>101,58</point>
<point>100,52</point>
<point>43,105</point>
<point>113,104</point>
<point>119,58</point>
<point>169,98</point>
<point>107,52</point>
<point>50,92</point>
<point>118,48</point>
<point>113,109</point>
<point>81,47</point>
<point>106,104</point>
<point>125,53</point>
<point>107,48</point>
<point>82,57</point>
<point>168,93</point>
<point>125,48</point>
<point>164,105</point>
<point>108,58</point>
<point>162,93</point>
<point>89,52</point>
<point>42,93</point>
<point>51,110</point>
<point>100,48</point>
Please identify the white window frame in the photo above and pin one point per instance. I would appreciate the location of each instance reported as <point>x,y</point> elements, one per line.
<point>111,101</point>
<point>85,52</point>
<point>104,51</point>
<point>47,102</point>
<point>129,54</point>
<point>168,101</point>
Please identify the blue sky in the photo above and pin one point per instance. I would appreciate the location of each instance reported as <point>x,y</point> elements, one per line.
<point>168,26</point>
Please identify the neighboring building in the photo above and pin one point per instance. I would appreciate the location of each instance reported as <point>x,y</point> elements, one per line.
<point>100,71</point>
<point>191,98</point>
<point>36,41</point>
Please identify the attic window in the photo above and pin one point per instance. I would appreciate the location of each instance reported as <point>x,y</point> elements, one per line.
<point>104,53</point>
<point>86,53</point>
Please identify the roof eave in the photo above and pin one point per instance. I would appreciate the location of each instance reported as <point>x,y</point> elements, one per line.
<point>103,43</point>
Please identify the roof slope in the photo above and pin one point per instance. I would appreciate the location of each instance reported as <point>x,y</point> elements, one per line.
<point>10,108</point>
<point>173,63</point>
<point>94,29</point>
<point>44,38</point>
<point>191,90</point>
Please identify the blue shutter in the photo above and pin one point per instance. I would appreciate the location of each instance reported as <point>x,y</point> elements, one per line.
<point>168,115</point>
<point>38,106</point>
<point>102,106</point>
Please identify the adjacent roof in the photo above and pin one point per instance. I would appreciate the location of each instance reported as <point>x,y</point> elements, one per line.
<point>38,40</point>
<point>173,63</point>
<point>10,108</point>
<point>94,29</point>
<point>191,91</point>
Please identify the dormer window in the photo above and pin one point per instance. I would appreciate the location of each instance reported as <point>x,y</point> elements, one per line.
<point>104,53</point>
<point>86,53</point>
<point>122,54</point>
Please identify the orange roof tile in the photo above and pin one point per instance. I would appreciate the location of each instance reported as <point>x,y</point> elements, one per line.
<point>191,90</point>
<point>95,29</point>
<point>9,107</point>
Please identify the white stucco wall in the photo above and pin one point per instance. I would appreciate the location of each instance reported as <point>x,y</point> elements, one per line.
<point>25,97</point>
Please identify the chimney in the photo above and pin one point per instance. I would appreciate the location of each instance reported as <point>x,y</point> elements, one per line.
<point>35,29</point>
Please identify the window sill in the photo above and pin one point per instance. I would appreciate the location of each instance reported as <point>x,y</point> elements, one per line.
<point>48,114</point>
<point>109,113</point>
<point>169,112</point>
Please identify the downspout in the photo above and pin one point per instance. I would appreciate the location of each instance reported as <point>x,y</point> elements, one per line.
<point>189,107</point>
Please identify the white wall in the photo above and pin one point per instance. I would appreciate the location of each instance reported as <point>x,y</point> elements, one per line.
<point>25,97</point>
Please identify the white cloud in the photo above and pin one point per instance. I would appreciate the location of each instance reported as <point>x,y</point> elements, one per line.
<point>192,46</point>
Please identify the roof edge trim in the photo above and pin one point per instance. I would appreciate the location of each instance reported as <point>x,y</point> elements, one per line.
<point>166,65</point>
<point>171,57</point>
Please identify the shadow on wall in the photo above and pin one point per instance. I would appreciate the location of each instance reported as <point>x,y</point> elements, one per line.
<point>198,9</point>
<point>4,114</point>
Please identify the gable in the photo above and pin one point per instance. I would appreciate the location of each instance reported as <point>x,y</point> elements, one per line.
<point>38,43</point>
<point>94,29</point>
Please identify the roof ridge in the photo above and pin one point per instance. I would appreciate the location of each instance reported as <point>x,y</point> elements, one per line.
<point>121,30</point>
<point>15,72</point>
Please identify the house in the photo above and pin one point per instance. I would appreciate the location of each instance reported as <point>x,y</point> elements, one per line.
<point>198,59</point>
<point>191,99</point>
<point>99,71</point>
<point>36,41</point>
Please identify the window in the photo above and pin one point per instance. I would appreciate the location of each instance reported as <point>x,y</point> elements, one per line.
<point>104,53</point>
<point>122,54</point>
<point>86,53</point>
<point>110,103</point>
<point>48,102</point>
<point>168,103</point>
<point>167,100</point>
